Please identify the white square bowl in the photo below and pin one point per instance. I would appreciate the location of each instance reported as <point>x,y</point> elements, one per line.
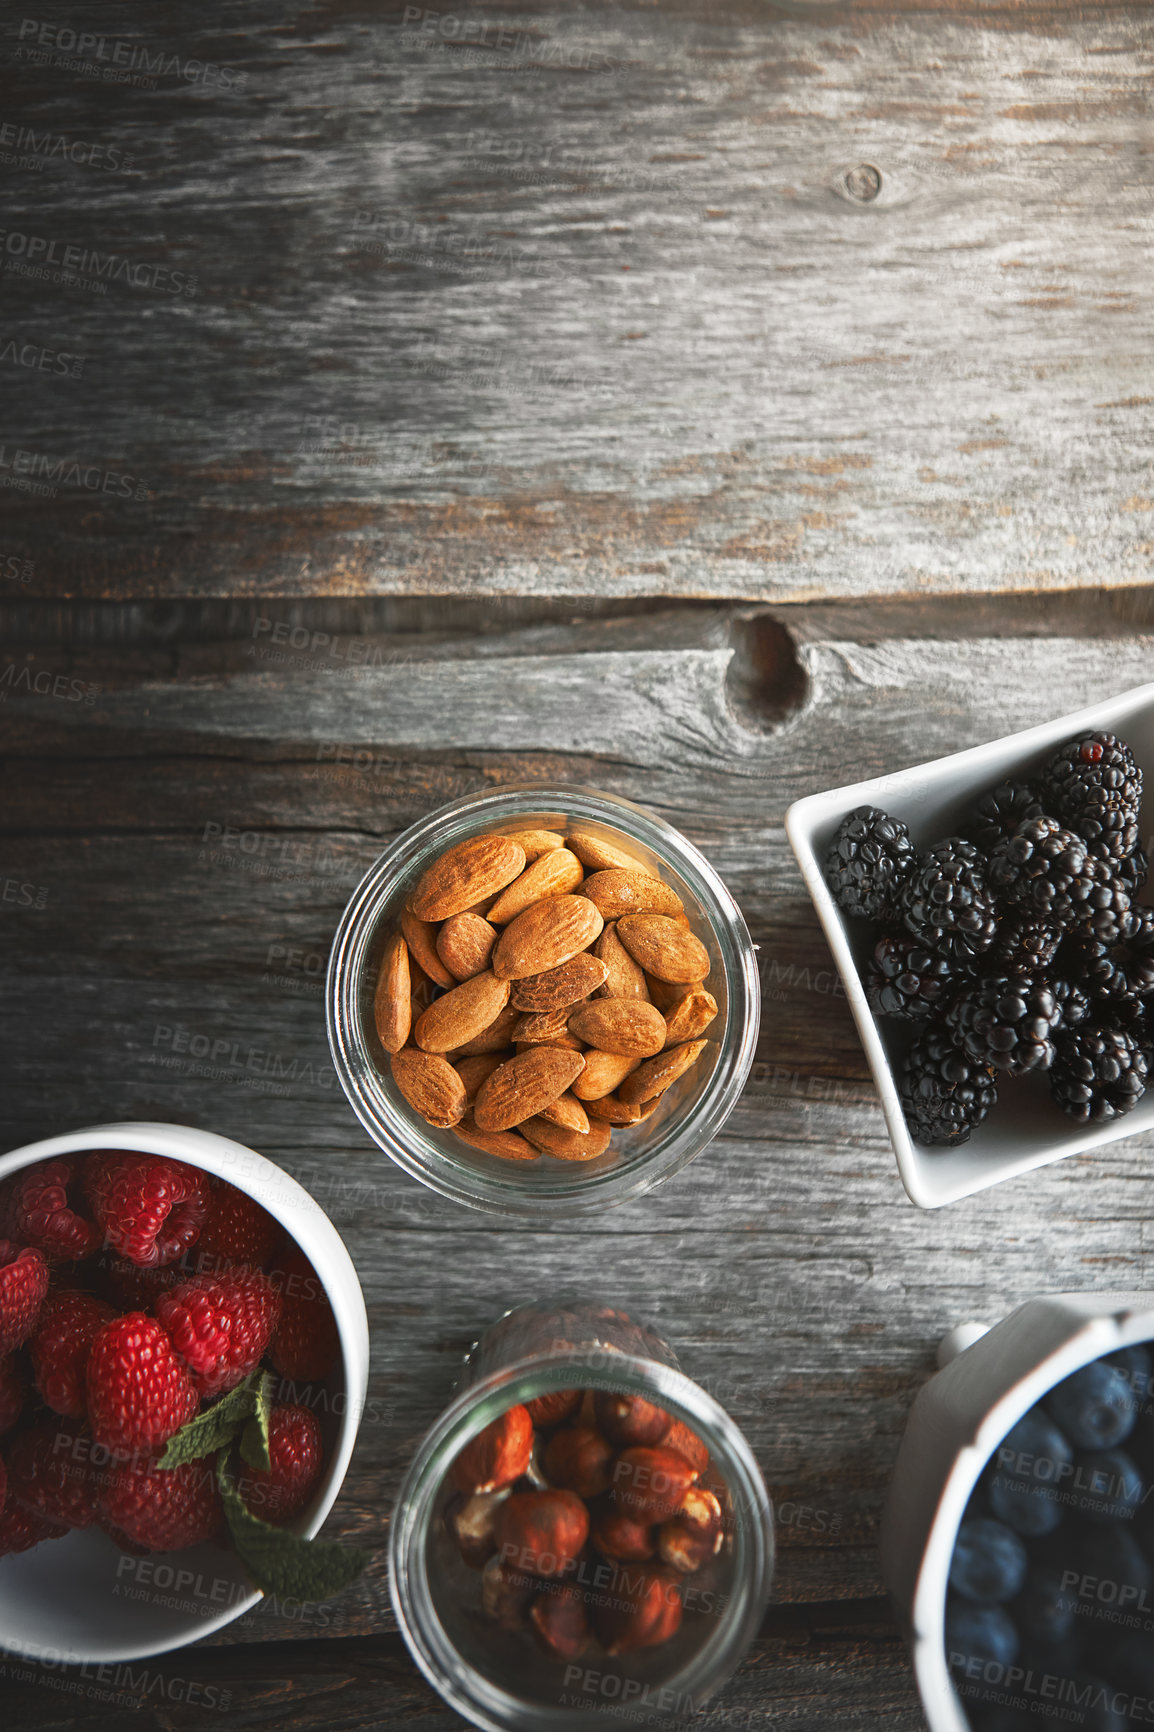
<point>1025,1130</point>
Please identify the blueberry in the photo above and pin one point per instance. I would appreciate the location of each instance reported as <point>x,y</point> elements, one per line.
<point>1108,1486</point>
<point>1136,1366</point>
<point>1095,1407</point>
<point>1113,1568</point>
<point>989,1561</point>
<point>1024,1472</point>
<point>1085,1704</point>
<point>1045,1610</point>
<point>983,1633</point>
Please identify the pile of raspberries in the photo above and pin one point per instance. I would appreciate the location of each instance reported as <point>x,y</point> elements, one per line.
<point>132,1290</point>
<point>1017,945</point>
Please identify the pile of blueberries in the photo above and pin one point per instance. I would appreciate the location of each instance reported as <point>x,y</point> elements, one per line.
<point>1050,1614</point>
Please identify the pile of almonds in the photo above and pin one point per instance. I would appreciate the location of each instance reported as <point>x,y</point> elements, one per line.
<point>573,993</point>
<point>585,1512</point>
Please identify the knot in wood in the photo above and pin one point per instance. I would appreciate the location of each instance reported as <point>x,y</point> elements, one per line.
<point>863,182</point>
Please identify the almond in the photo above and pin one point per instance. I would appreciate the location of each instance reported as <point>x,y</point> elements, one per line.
<point>392,1005</point>
<point>567,1145</point>
<point>554,874</point>
<point>662,947</point>
<point>560,987</point>
<point>617,891</point>
<point>548,934</point>
<point>465,944</point>
<point>461,1015</point>
<point>620,1025</point>
<point>613,1111</point>
<point>566,1110</point>
<point>566,1039</point>
<point>690,1016</point>
<point>421,939</point>
<point>474,1070</point>
<point>667,993</point>
<point>539,1027</point>
<point>624,978</point>
<point>467,873</point>
<point>537,842</point>
<point>600,855</point>
<point>603,1072</point>
<point>430,1085</point>
<point>506,1145</point>
<point>523,1085</point>
<point>498,1035</point>
<point>656,1074</point>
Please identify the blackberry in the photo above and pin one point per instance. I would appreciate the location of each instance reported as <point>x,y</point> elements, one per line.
<point>1073,1003</point>
<point>944,1093</point>
<point>998,813</point>
<point>947,901</point>
<point>867,862</point>
<point>1123,969</point>
<point>1023,945</point>
<point>1007,1020</point>
<point>1095,787</point>
<point>1133,869</point>
<point>1099,1073</point>
<point>905,979</point>
<point>1046,871</point>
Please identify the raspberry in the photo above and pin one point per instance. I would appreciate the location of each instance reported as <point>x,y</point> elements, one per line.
<point>162,1509</point>
<point>139,1391</point>
<point>150,1209</point>
<point>20,1530</point>
<point>23,1284</point>
<point>905,979</point>
<point>237,1230</point>
<point>294,1447</point>
<point>1099,1074</point>
<point>220,1325</point>
<point>868,861</point>
<point>1095,787</point>
<point>1007,1020</point>
<point>137,1289</point>
<point>60,1345</point>
<point>50,1473</point>
<point>12,1393</point>
<point>945,1094</point>
<point>947,903</point>
<point>305,1344</point>
<point>39,1212</point>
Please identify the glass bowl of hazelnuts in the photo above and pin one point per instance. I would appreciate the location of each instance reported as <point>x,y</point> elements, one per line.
<point>542,1000</point>
<point>583,1533</point>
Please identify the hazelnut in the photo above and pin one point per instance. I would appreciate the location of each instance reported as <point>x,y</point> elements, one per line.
<point>694,1533</point>
<point>558,1616</point>
<point>650,1484</point>
<point>686,1443</point>
<point>506,1594</point>
<point>621,1539</point>
<point>579,1459</point>
<point>548,1411</point>
<point>496,1456</point>
<point>542,1532</point>
<point>535,1472</point>
<point>629,1420</point>
<point>641,1610</point>
<point>470,1520</point>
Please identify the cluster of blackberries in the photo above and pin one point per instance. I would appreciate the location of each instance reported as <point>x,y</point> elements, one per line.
<point>1050,1602</point>
<point>1019,942</point>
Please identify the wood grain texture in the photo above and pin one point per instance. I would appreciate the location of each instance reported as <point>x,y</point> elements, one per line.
<point>785,1264</point>
<point>777,302</point>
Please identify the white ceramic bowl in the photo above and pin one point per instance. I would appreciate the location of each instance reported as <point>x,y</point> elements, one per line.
<point>957,1421</point>
<point>75,1599</point>
<point>1025,1130</point>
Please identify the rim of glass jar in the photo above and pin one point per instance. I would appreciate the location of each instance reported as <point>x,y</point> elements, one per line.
<point>459,1683</point>
<point>571,1191</point>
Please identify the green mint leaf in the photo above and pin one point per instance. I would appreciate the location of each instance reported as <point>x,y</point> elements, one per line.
<point>283,1563</point>
<point>254,1437</point>
<point>207,1432</point>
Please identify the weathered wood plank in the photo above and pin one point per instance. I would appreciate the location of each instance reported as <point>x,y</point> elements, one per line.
<point>769,302</point>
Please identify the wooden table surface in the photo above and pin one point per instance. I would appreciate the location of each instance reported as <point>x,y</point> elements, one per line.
<point>709,404</point>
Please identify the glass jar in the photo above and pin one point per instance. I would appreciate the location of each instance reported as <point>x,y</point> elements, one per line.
<point>501,1680</point>
<point>639,1156</point>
